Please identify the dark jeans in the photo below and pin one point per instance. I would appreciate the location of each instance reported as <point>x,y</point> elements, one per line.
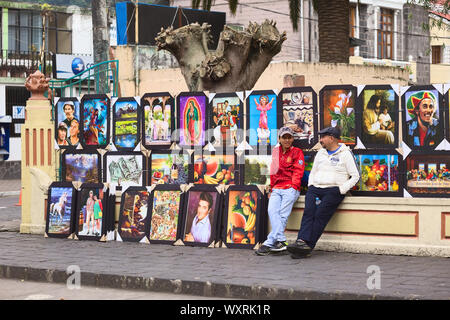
<point>316,217</point>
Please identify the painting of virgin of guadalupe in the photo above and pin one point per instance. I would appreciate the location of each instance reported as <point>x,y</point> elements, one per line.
<point>192,120</point>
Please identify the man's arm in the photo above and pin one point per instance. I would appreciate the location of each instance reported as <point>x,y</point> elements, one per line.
<point>299,169</point>
<point>353,172</point>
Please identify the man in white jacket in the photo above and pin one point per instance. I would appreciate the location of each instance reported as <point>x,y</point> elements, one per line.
<point>333,174</point>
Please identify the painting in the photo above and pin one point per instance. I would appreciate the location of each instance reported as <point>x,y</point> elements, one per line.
<point>423,118</point>
<point>95,120</point>
<point>380,174</point>
<point>126,123</point>
<point>226,120</point>
<point>242,215</point>
<point>256,169</point>
<point>337,109</point>
<point>262,119</point>
<point>192,118</point>
<point>91,211</point>
<point>212,168</point>
<point>166,212</point>
<point>67,124</point>
<point>202,215</point>
<point>133,214</point>
<point>309,161</point>
<point>60,210</point>
<point>169,167</point>
<point>125,168</point>
<point>299,109</point>
<point>81,165</point>
<point>158,120</point>
<point>378,120</point>
<point>428,174</point>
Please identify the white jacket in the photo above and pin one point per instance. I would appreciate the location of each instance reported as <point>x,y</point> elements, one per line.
<point>336,170</point>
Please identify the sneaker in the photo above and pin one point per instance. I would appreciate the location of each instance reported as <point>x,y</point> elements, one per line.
<point>299,248</point>
<point>279,246</point>
<point>263,250</point>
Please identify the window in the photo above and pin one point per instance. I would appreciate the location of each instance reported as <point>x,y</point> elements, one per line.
<point>436,54</point>
<point>385,34</point>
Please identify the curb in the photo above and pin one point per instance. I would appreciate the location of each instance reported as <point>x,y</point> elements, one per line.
<point>188,287</point>
<point>9,193</point>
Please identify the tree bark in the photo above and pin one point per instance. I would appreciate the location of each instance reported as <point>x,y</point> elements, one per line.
<point>100,37</point>
<point>237,63</point>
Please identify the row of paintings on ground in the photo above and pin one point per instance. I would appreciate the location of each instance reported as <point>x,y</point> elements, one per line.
<point>368,117</point>
<point>383,173</point>
<point>201,215</point>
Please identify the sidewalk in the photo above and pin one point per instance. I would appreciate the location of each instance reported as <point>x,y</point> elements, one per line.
<point>221,272</point>
<point>10,187</point>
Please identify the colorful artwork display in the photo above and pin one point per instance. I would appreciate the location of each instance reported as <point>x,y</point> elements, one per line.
<point>126,123</point>
<point>299,109</point>
<point>60,209</point>
<point>95,115</point>
<point>257,169</point>
<point>133,222</point>
<point>378,172</point>
<point>80,166</point>
<point>226,119</point>
<point>215,169</point>
<point>337,109</point>
<point>379,121</point>
<point>169,168</point>
<point>125,168</point>
<point>67,124</point>
<point>90,211</point>
<point>241,219</point>
<point>158,119</point>
<point>423,126</point>
<point>262,118</point>
<point>309,160</point>
<point>165,214</point>
<point>201,216</point>
<point>428,174</point>
<point>192,119</point>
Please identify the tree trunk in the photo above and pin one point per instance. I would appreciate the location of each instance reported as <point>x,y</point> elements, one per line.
<point>237,63</point>
<point>334,41</point>
<point>100,42</point>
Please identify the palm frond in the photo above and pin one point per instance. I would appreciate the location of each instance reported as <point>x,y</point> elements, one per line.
<point>232,4</point>
<point>294,13</point>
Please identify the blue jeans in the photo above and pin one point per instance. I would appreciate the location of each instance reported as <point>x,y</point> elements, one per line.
<point>280,207</point>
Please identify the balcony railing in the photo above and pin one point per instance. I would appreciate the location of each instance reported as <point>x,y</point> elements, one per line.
<point>20,64</point>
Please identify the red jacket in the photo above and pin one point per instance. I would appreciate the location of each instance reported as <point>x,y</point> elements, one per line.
<point>287,168</point>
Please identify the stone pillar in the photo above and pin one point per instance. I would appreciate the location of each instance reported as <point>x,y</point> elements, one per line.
<point>37,154</point>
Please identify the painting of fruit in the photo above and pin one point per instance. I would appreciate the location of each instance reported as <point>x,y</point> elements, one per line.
<point>378,172</point>
<point>241,222</point>
<point>214,169</point>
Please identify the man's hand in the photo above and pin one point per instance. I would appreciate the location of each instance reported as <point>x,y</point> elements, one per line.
<point>189,237</point>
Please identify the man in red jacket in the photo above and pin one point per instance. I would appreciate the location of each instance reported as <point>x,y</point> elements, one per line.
<point>286,173</point>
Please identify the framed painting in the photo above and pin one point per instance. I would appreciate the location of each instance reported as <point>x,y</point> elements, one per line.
<point>158,120</point>
<point>377,117</point>
<point>95,129</point>
<point>125,168</point>
<point>202,215</point>
<point>337,109</point>
<point>67,124</point>
<point>61,207</point>
<point>166,213</point>
<point>226,120</point>
<point>81,165</point>
<point>170,167</point>
<point>126,123</point>
<point>241,218</point>
<point>255,168</point>
<point>134,214</point>
<point>262,119</point>
<point>91,213</point>
<point>428,174</point>
<point>309,161</point>
<point>214,168</point>
<point>380,173</point>
<point>299,112</point>
<point>447,111</point>
<point>192,119</point>
<point>423,120</point>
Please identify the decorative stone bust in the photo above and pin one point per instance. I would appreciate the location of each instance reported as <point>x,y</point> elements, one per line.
<point>37,84</point>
